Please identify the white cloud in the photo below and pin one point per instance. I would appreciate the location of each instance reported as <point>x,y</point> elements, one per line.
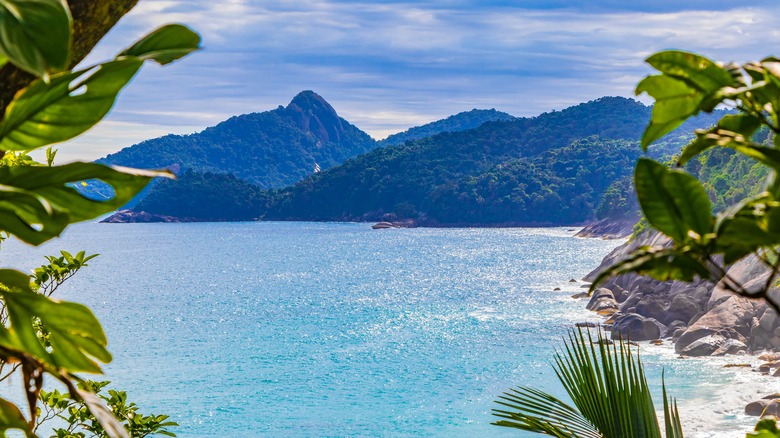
<point>386,66</point>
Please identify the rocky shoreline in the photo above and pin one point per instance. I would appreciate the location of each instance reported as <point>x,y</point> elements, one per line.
<point>131,216</point>
<point>699,319</point>
<point>608,229</point>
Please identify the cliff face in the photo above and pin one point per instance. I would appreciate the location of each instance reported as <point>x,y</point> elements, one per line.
<point>701,318</point>
<point>313,114</point>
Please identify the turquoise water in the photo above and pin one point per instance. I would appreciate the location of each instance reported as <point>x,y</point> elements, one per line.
<point>303,329</point>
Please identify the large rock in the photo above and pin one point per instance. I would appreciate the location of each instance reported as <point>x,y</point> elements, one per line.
<point>763,407</point>
<point>609,228</point>
<point>673,326</point>
<point>705,308</point>
<point>636,327</point>
<point>724,319</point>
<point>131,216</point>
<point>619,293</point>
<point>768,320</point>
<point>705,346</point>
<point>731,346</point>
<point>651,307</point>
<point>683,308</point>
<point>599,295</point>
<point>750,272</point>
<point>629,305</point>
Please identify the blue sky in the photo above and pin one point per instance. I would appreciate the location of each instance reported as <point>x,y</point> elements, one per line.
<point>388,65</point>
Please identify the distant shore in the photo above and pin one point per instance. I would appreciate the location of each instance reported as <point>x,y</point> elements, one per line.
<point>603,229</point>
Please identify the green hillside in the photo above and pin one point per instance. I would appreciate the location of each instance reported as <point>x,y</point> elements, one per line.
<point>272,149</point>
<point>458,122</point>
<point>205,196</point>
<point>562,167</point>
<point>551,169</point>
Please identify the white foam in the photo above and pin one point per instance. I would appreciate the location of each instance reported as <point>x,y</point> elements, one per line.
<point>716,405</point>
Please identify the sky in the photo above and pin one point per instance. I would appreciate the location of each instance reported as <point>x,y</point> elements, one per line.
<point>387,65</point>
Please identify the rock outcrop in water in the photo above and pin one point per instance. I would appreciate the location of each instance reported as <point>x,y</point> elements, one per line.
<point>701,318</point>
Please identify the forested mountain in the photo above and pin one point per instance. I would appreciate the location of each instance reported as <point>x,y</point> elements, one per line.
<point>272,149</point>
<point>458,122</point>
<point>552,169</point>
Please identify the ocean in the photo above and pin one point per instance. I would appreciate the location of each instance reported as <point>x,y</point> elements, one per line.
<point>335,329</point>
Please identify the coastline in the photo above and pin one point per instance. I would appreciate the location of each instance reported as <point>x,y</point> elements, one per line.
<point>696,323</point>
<point>711,397</point>
<point>604,229</point>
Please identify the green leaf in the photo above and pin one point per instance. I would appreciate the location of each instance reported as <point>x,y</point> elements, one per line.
<point>607,385</point>
<point>744,124</point>
<point>749,226</point>
<point>765,154</point>
<point>689,83</point>
<point>660,263</point>
<point>672,421</point>
<point>37,203</point>
<point>738,237</point>
<point>11,418</point>
<point>165,44</point>
<point>765,428</point>
<point>675,101</point>
<point>673,202</point>
<point>732,130</point>
<point>36,34</point>
<point>535,411</point>
<point>68,105</point>
<point>697,71</point>
<point>74,333</point>
<point>103,414</point>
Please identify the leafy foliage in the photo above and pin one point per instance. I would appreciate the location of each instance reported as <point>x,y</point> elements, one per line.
<point>205,196</point>
<point>766,428</point>
<point>678,205</point>
<point>618,201</point>
<point>40,335</point>
<point>727,176</point>
<point>45,26</point>
<point>82,422</point>
<point>607,384</point>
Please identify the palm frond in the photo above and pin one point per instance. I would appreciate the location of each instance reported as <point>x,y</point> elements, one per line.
<point>536,411</point>
<point>606,382</point>
<point>671,414</point>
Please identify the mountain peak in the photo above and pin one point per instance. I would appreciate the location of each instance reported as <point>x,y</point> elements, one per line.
<point>310,99</point>
<point>314,114</point>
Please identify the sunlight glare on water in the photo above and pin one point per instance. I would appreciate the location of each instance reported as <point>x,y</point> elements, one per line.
<point>304,329</point>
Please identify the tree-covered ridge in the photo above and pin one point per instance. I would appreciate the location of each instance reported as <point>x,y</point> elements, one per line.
<point>272,149</point>
<point>205,196</point>
<point>459,122</point>
<point>551,169</point>
<point>559,186</point>
<point>728,176</point>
